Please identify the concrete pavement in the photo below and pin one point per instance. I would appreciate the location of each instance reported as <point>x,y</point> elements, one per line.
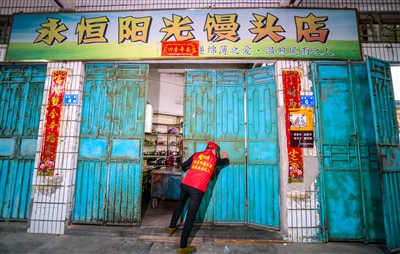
<point>13,239</point>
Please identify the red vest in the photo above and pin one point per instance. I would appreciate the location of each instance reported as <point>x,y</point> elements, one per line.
<point>201,170</point>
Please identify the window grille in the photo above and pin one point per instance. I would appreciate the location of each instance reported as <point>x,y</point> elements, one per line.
<point>379,27</point>
<point>5,29</point>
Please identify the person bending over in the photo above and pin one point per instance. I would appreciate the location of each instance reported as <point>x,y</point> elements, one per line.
<point>201,166</point>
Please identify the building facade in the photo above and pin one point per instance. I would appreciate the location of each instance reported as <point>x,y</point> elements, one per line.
<point>343,183</point>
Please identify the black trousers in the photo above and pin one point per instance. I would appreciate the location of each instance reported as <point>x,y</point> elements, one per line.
<point>195,196</point>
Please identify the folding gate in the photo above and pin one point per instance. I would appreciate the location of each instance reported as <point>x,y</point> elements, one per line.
<point>236,109</point>
<point>358,151</point>
<point>21,91</point>
<point>109,173</point>
<point>388,146</point>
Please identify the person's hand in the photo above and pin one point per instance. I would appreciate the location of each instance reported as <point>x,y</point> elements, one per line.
<point>224,154</point>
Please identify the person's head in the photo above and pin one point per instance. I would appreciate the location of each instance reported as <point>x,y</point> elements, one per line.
<point>213,147</point>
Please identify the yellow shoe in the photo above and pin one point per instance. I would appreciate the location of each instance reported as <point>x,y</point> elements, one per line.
<point>170,230</point>
<point>187,250</point>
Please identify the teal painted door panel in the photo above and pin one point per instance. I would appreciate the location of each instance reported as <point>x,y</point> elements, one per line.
<point>263,149</point>
<point>215,106</point>
<point>109,173</point>
<point>372,195</point>
<point>199,111</point>
<point>230,187</point>
<point>124,192</point>
<point>90,193</point>
<point>387,145</point>
<point>21,91</point>
<point>229,105</point>
<point>199,125</point>
<point>230,195</point>
<point>344,204</point>
<point>350,187</point>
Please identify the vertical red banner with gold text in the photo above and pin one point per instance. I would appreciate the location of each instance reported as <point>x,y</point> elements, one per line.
<point>51,129</point>
<point>291,97</point>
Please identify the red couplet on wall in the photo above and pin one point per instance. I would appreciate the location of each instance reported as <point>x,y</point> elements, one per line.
<point>51,129</point>
<point>291,95</point>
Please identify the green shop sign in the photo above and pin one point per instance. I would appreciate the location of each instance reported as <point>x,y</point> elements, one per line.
<point>218,33</point>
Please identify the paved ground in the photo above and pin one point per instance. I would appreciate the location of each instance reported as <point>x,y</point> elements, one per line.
<point>83,239</point>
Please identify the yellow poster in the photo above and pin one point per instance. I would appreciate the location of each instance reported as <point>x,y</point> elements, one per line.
<point>301,119</point>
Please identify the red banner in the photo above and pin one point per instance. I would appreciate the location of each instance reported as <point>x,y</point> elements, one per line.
<point>51,129</point>
<point>291,97</point>
<point>180,48</point>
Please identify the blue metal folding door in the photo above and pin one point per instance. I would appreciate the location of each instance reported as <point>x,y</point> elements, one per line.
<point>215,110</point>
<point>109,173</point>
<point>351,196</point>
<point>21,91</point>
<point>263,148</point>
<point>388,146</point>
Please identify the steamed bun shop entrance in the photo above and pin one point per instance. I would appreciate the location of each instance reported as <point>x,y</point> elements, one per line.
<point>279,89</point>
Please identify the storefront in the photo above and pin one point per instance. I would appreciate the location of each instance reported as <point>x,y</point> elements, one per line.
<point>89,158</point>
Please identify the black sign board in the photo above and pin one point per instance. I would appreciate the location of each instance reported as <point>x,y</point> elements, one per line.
<point>304,139</point>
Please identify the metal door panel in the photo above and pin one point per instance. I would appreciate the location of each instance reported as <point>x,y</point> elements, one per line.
<point>388,146</point>
<point>97,115</point>
<point>230,194</point>
<point>21,91</point>
<point>263,148</point>
<point>199,105</point>
<point>90,197</point>
<point>22,187</point>
<point>339,156</point>
<point>7,146</point>
<point>344,206</point>
<point>199,125</point>
<point>229,105</point>
<point>263,197</point>
<point>129,107</point>
<point>28,147</point>
<point>112,134</point>
<point>123,189</point>
<point>93,148</point>
<point>369,173</point>
<point>351,209</point>
<point>125,149</point>
<point>230,187</point>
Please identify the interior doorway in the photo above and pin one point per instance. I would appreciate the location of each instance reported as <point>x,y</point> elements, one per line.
<point>161,144</point>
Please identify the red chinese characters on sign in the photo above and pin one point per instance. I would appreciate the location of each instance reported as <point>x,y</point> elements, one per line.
<point>291,97</point>
<point>180,48</point>
<point>51,127</point>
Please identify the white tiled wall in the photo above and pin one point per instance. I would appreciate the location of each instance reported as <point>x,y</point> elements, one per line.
<point>52,196</point>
